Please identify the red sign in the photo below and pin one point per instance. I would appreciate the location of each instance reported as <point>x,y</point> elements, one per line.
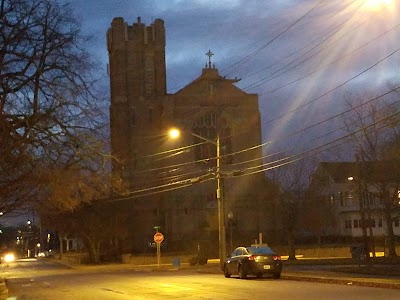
<point>158,237</point>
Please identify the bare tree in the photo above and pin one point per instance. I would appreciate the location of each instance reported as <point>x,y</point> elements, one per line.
<point>293,182</point>
<point>375,127</point>
<point>101,226</point>
<point>50,112</point>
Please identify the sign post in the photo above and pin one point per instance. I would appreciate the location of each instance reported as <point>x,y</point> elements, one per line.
<point>158,238</point>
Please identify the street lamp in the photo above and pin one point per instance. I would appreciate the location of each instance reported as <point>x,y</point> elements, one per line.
<point>175,133</point>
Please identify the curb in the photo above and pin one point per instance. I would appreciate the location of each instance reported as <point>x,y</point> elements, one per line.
<point>321,279</point>
<point>365,283</point>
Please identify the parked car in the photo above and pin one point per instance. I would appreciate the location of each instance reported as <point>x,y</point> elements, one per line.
<point>254,260</point>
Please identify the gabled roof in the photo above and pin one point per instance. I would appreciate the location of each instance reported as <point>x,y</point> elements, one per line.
<point>207,76</point>
<point>339,171</point>
<point>378,171</point>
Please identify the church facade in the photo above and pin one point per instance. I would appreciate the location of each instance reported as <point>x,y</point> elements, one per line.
<point>171,183</point>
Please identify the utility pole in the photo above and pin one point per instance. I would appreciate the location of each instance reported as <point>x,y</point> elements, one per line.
<point>220,198</point>
<point>221,209</point>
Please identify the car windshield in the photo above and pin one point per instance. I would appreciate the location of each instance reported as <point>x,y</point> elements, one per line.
<point>260,250</point>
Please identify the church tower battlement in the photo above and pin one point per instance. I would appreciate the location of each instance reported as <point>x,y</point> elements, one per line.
<point>137,60</point>
<point>138,86</point>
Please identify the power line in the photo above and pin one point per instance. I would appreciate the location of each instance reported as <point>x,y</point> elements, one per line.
<point>335,88</point>
<point>270,77</point>
<point>248,57</point>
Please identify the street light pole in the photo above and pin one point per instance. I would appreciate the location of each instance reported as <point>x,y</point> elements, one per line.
<point>221,210</point>
<point>174,133</point>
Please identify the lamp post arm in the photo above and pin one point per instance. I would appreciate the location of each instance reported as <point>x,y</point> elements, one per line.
<point>204,139</point>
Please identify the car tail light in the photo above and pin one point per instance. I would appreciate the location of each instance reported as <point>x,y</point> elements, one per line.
<point>252,257</point>
<point>276,257</point>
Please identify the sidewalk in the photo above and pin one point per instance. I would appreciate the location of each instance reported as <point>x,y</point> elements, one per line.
<point>327,276</point>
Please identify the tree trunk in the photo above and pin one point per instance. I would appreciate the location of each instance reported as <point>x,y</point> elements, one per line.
<point>390,235</point>
<point>61,246</point>
<point>291,246</point>
<point>371,234</point>
<point>319,241</point>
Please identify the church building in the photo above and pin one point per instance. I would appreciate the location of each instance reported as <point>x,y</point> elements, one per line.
<point>173,184</point>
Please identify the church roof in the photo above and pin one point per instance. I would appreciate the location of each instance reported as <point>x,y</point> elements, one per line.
<point>211,80</point>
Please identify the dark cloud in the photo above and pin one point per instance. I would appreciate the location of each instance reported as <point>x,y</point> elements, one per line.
<point>303,47</point>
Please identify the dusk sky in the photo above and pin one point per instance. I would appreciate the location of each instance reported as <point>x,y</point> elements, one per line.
<point>300,56</point>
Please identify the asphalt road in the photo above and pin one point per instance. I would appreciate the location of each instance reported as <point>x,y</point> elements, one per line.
<point>47,280</point>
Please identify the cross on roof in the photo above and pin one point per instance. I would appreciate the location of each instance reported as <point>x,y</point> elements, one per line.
<point>209,54</point>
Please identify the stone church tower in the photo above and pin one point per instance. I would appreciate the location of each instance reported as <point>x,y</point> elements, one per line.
<point>171,183</point>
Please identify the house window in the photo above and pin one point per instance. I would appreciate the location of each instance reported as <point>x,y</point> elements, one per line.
<point>355,223</point>
<point>347,224</point>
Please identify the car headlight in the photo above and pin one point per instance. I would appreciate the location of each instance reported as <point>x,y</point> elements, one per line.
<point>9,257</point>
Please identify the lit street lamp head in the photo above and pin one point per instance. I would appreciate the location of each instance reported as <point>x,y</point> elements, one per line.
<point>174,133</point>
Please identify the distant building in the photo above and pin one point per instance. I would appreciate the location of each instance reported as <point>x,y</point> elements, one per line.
<point>341,184</point>
<point>176,190</point>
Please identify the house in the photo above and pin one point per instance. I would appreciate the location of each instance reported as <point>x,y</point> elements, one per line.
<point>352,188</point>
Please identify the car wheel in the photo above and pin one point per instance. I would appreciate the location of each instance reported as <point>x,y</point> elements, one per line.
<point>277,275</point>
<point>259,275</point>
<point>242,272</point>
<point>202,261</point>
<point>193,260</point>
<point>226,273</point>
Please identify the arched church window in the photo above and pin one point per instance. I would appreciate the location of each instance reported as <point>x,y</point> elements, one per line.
<point>208,126</point>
